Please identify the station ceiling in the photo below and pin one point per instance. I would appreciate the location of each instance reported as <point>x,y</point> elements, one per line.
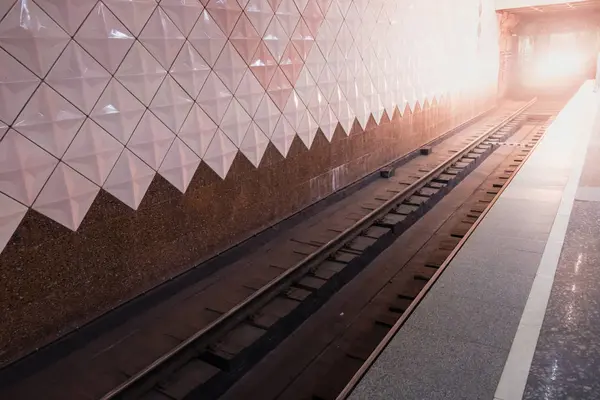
<point>533,8</point>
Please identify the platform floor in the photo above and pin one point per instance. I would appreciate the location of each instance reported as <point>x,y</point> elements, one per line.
<point>517,312</point>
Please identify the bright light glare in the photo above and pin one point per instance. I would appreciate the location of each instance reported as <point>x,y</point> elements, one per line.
<point>555,65</point>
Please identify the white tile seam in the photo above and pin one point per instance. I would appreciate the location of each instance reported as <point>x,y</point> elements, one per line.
<point>516,369</point>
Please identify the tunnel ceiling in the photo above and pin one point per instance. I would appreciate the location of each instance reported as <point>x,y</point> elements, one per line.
<point>577,7</point>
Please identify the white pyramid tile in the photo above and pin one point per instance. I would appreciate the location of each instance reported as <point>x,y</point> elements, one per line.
<point>307,129</point>
<point>260,14</point>
<point>105,37</point>
<point>118,111</point>
<point>315,62</point>
<point>263,65</point>
<point>11,214</point>
<point>230,67</point>
<point>313,16</point>
<point>303,39</point>
<point>324,5</point>
<point>141,74</point>
<point>254,145</point>
<point>305,85</point>
<point>66,197</point>
<point>336,61</point>
<point>49,120</point>
<point>207,38</point>
<point>327,82</point>
<point>235,122</point>
<point>328,123</point>
<point>294,110</point>
<point>179,165</point>
<point>343,5</point>
<point>325,39</point>
<point>279,89</point>
<point>225,13</point>
<point>276,39</point>
<point>220,154</point>
<point>184,13</point>
<point>24,167</point>
<point>129,180</point>
<point>245,38</point>
<point>267,115</point>
<point>214,98</point>
<point>32,37</point>
<point>283,136</point>
<point>334,19</point>
<point>162,38</point>
<point>249,93</point>
<point>78,77</point>
<point>171,104</point>
<point>151,140</point>
<point>3,129</point>
<point>17,84</point>
<point>69,14</point>
<point>301,4</point>
<point>288,15</point>
<point>93,152</point>
<point>133,13</point>
<point>5,6</point>
<point>291,63</point>
<point>317,104</point>
<point>197,130</point>
<point>190,70</point>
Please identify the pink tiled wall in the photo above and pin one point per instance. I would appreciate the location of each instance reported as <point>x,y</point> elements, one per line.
<point>103,95</point>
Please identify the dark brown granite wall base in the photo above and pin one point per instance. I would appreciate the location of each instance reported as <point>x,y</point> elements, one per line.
<point>53,280</point>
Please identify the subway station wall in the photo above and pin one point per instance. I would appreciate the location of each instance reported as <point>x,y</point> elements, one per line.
<point>139,137</point>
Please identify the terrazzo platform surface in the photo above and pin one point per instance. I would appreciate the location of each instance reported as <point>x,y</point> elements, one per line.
<point>474,335</point>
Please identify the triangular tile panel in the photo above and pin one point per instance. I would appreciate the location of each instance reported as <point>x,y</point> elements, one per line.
<point>307,129</point>
<point>328,123</point>
<point>24,167</point>
<point>179,165</point>
<point>279,89</point>
<point>129,180</point>
<point>3,129</point>
<point>301,4</point>
<point>105,37</point>
<point>30,35</point>
<point>214,98</point>
<point>276,39</point>
<point>315,62</point>
<point>225,13</point>
<point>151,140</point>
<point>327,82</point>
<point>141,74</point>
<point>249,92</point>
<point>291,63</point>
<point>283,136</point>
<point>78,77</point>
<point>230,67</point>
<point>220,154</point>
<point>17,84</point>
<point>313,16</point>
<point>245,38</point>
<point>5,6</point>
<point>93,152</point>
<point>118,111</point>
<point>325,39</point>
<point>162,38</point>
<point>267,115</point>
<point>184,13</point>
<point>69,14</point>
<point>303,39</point>
<point>305,85</point>
<point>171,104</point>
<point>197,130</point>
<point>133,13</point>
<point>254,145</point>
<point>11,214</point>
<point>288,15</point>
<point>317,104</point>
<point>190,70</point>
<point>66,197</point>
<point>260,14</point>
<point>49,120</point>
<point>263,65</point>
<point>235,122</point>
<point>207,38</point>
<point>294,110</point>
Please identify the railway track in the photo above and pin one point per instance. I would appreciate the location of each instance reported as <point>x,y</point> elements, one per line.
<point>209,362</point>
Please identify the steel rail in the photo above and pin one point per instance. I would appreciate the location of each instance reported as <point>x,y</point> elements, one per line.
<point>351,385</point>
<point>255,301</point>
